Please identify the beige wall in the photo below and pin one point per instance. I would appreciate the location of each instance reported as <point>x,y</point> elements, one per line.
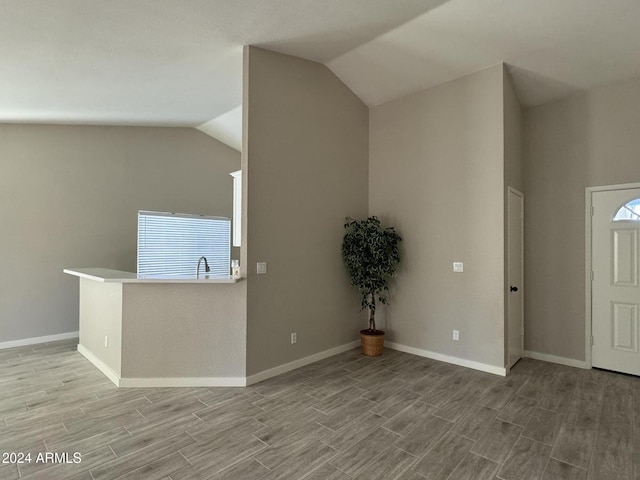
<point>305,160</point>
<point>183,330</point>
<point>436,173</point>
<point>587,140</point>
<point>101,316</point>
<point>513,175</point>
<point>513,137</point>
<point>69,196</point>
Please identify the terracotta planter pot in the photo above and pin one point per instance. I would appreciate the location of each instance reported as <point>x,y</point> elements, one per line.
<point>372,343</point>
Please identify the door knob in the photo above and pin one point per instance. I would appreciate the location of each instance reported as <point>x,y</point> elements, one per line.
<point>514,289</point>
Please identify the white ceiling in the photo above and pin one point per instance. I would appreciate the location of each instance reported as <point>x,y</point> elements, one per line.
<point>179,62</point>
<point>226,127</point>
<point>552,47</point>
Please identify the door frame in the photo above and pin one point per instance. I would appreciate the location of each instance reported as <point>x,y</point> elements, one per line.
<point>588,332</point>
<point>517,193</point>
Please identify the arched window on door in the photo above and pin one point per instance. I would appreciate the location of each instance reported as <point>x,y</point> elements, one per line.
<point>628,211</point>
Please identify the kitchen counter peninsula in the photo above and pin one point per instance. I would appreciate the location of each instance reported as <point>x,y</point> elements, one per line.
<point>106,275</point>
<point>163,330</point>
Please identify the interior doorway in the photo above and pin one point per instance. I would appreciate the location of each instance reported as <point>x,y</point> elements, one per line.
<point>515,269</point>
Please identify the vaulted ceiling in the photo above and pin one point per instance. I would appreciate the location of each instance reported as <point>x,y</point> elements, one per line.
<point>179,62</point>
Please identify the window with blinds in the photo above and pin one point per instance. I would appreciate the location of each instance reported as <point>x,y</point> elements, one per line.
<point>172,243</point>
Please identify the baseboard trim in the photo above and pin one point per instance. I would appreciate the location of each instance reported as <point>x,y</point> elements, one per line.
<point>301,362</point>
<point>124,382</point>
<point>36,340</point>
<point>462,362</point>
<point>546,357</point>
<point>182,382</point>
<point>100,365</point>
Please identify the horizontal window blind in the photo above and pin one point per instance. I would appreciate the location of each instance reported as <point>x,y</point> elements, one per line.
<point>172,243</point>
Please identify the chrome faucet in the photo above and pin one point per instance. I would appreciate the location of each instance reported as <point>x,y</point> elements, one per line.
<point>206,266</point>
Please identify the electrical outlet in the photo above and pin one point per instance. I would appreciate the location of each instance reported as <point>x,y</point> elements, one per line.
<point>106,341</point>
<point>261,268</point>
<point>294,338</point>
<point>458,267</point>
<point>456,334</point>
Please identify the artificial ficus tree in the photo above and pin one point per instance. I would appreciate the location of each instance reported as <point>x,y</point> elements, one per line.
<point>370,252</point>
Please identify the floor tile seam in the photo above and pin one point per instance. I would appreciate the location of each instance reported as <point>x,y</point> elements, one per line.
<point>522,434</point>
<point>128,472</point>
<point>550,411</point>
<point>531,417</point>
<point>114,453</point>
<point>595,440</point>
<point>434,414</point>
<point>557,437</point>
<point>199,418</point>
<point>320,411</point>
<point>380,415</point>
<point>457,464</point>
<point>40,415</point>
<point>425,453</point>
<point>514,445</point>
<point>279,443</point>
<point>63,426</point>
<point>391,431</point>
<point>310,473</point>
<point>46,447</point>
<point>537,400</point>
<point>568,463</point>
<point>202,422</point>
<point>544,470</point>
<point>336,454</point>
<point>497,417</point>
<point>495,461</point>
<point>577,423</point>
<point>238,460</point>
<point>417,458</point>
<point>93,449</point>
<point>323,442</point>
<point>128,431</point>
<point>48,467</point>
<point>254,458</point>
<point>185,458</point>
<point>474,440</point>
<point>421,399</point>
<point>257,406</point>
<point>194,440</point>
<point>263,442</point>
<point>263,424</point>
<point>19,472</point>
<point>409,467</point>
<point>339,469</point>
<point>198,400</point>
<point>422,477</point>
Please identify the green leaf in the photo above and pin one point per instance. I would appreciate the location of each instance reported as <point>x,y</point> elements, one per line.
<point>370,252</point>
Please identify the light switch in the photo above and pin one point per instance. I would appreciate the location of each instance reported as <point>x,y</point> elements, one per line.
<point>262,268</point>
<point>458,267</point>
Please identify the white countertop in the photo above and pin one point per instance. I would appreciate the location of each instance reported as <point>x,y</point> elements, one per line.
<point>117,276</point>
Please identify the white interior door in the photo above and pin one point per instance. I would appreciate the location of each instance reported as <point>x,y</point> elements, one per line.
<point>515,261</point>
<point>615,293</point>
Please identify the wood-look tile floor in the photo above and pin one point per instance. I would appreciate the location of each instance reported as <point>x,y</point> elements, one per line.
<point>397,416</point>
